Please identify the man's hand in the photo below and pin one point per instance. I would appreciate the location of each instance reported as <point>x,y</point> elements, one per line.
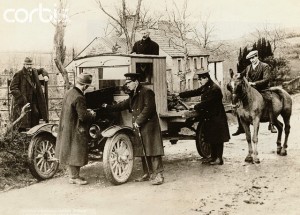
<point>136,125</point>
<point>93,113</point>
<point>46,79</point>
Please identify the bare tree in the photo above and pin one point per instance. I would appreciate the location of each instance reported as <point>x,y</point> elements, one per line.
<point>180,24</point>
<point>203,35</point>
<point>275,34</point>
<point>60,23</point>
<point>121,20</point>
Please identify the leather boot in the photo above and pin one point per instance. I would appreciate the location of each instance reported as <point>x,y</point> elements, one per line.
<point>272,128</point>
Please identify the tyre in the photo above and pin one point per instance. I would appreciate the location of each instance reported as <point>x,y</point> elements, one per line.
<point>42,163</point>
<point>202,146</point>
<point>118,158</point>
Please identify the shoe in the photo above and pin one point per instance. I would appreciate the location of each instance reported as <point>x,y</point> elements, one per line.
<point>238,132</point>
<point>272,128</point>
<point>208,160</point>
<point>218,161</point>
<point>78,181</point>
<point>145,177</point>
<point>158,180</point>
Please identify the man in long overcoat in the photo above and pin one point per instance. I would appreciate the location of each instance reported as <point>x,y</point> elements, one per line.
<point>75,119</point>
<point>211,108</point>
<point>26,88</point>
<point>141,103</point>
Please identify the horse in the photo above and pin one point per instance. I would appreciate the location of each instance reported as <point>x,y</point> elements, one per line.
<point>252,109</point>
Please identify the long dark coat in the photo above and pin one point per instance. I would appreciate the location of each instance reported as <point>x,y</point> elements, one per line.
<point>146,46</point>
<point>71,144</point>
<point>211,107</point>
<point>260,75</point>
<point>143,108</point>
<point>26,88</point>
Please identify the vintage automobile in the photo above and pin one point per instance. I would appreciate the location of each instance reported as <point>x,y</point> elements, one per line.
<point>112,134</point>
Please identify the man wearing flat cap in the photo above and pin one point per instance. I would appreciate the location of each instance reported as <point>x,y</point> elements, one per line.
<point>26,88</point>
<point>258,74</point>
<point>71,143</point>
<point>141,103</point>
<point>211,109</point>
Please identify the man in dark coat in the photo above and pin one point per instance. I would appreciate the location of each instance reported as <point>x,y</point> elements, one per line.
<point>145,45</point>
<point>211,109</point>
<point>259,75</point>
<point>26,88</point>
<point>141,103</point>
<point>71,144</point>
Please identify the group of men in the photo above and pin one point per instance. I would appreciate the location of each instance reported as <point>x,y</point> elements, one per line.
<point>71,146</point>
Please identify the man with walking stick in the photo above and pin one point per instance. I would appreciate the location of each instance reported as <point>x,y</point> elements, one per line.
<point>148,145</point>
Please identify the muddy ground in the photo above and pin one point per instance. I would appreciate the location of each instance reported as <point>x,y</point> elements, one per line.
<point>271,187</point>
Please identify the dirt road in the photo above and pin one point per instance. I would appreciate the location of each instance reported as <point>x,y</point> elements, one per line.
<point>271,187</point>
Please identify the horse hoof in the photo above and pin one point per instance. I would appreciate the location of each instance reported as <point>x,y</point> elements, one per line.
<point>283,153</point>
<point>249,159</point>
<point>279,151</point>
<point>257,161</point>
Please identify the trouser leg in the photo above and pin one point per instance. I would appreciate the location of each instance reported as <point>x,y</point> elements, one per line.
<point>240,127</point>
<point>220,148</point>
<point>145,169</point>
<point>213,151</point>
<point>157,164</point>
<point>74,171</point>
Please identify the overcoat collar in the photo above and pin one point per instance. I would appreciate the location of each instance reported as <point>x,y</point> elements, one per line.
<point>137,90</point>
<point>77,89</point>
<point>27,76</point>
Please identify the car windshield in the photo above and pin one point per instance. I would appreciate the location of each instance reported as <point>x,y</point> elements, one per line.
<point>107,76</point>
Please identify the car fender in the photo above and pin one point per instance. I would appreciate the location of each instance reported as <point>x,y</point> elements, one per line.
<point>46,128</point>
<point>112,130</point>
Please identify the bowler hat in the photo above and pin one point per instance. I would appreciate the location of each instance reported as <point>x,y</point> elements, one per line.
<point>28,61</point>
<point>252,54</point>
<point>202,71</point>
<point>132,76</point>
<point>84,78</point>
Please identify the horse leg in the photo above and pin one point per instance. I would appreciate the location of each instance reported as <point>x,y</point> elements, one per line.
<point>287,128</point>
<point>279,127</point>
<point>255,140</point>
<point>249,158</point>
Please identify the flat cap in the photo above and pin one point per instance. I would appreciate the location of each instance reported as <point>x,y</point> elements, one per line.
<point>252,54</point>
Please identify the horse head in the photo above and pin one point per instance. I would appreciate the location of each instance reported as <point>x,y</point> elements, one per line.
<point>238,83</point>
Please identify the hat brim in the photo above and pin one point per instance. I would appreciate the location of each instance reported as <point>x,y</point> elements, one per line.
<point>79,82</point>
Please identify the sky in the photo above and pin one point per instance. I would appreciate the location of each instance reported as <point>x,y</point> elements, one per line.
<point>25,26</point>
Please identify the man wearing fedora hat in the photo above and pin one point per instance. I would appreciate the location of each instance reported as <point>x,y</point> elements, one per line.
<point>259,74</point>
<point>71,143</point>
<point>26,88</point>
<point>211,109</point>
<point>141,103</point>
